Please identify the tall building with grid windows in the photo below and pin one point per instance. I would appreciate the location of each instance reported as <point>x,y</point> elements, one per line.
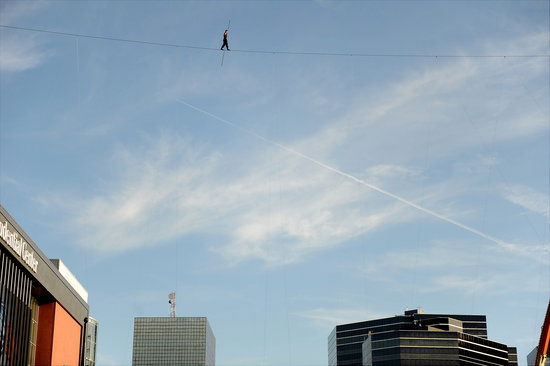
<point>183,341</point>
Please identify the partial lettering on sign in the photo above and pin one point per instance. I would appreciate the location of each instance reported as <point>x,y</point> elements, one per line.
<point>19,246</point>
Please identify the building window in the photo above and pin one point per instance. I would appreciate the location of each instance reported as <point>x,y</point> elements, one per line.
<point>34,331</point>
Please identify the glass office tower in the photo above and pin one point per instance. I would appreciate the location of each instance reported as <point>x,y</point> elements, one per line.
<point>417,339</point>
<point>90,348</point>
<point>183,341</point>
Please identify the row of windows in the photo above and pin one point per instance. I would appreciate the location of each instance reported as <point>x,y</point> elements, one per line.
<point>169,324</point>
<point>174,354</point>
<point>463,318</point>
<point>391,332</point>
<point>15,313</point>
<point>414,334</point>
<point>153,344</point>
<point>169,337</point>
<point>349,357</point>
<point>425,349</point>
<point>178,350</point>
<point>414,350</point>
<point>419,363</point>
<point>170,353</point>
<point>169,320</point>
<point>470,321</point>
<point>169,329</point>
<point>372,323</point>
<point>34,331</point>
<point>168,362</point>
<point>183,334</point>
<point>168,359</point>
<point>365,331</point>
<point>486,342</point>
<point>484,356</point>
<point>415,342</point>
<point>169,345</point>
<point>172,332</point>
<point>358,339</point>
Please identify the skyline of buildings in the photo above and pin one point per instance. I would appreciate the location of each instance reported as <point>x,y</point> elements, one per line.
<point>44,320</point>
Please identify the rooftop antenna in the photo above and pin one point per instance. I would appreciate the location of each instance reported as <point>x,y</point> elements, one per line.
<point>172,302</point>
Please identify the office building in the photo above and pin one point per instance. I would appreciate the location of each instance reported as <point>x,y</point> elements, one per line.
<point>532,356</point>
<point>182,341</point>
<point>90,349</point>
<point>418,339</point>
<point>43,307</point>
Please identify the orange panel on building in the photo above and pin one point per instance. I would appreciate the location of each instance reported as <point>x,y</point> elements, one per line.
<point>59,336</point>
<point>44,336</point>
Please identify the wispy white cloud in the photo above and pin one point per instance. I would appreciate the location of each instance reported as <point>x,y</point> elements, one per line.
<point>282,211</point>
<point>158,197</point>
<point>9,180</point>
<point>464,267</point>
<point>12,11</point>
<point>500,243</point>
<point>526,197</point>
<point>173,189</point>
<point>449,107</point>
<point>466,285</point>
<point>20,53</point>
<point>387,170</point>
<point>435,256</point>
<point>300,229</point>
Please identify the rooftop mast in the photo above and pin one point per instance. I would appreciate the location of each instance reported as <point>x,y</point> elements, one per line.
<point>172,302</point>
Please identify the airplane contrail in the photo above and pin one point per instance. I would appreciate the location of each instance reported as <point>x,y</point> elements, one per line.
<point>499,242</point>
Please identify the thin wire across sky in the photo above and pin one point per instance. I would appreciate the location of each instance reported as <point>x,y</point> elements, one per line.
<point>273,52</point>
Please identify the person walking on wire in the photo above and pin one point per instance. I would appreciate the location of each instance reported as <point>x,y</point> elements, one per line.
<point>225,41</point>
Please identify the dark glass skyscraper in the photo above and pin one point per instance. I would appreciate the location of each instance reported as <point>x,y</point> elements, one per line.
<point>183,341</point>
<point>417,339</point>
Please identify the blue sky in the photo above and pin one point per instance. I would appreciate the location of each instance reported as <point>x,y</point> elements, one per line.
<point>276,194</point>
